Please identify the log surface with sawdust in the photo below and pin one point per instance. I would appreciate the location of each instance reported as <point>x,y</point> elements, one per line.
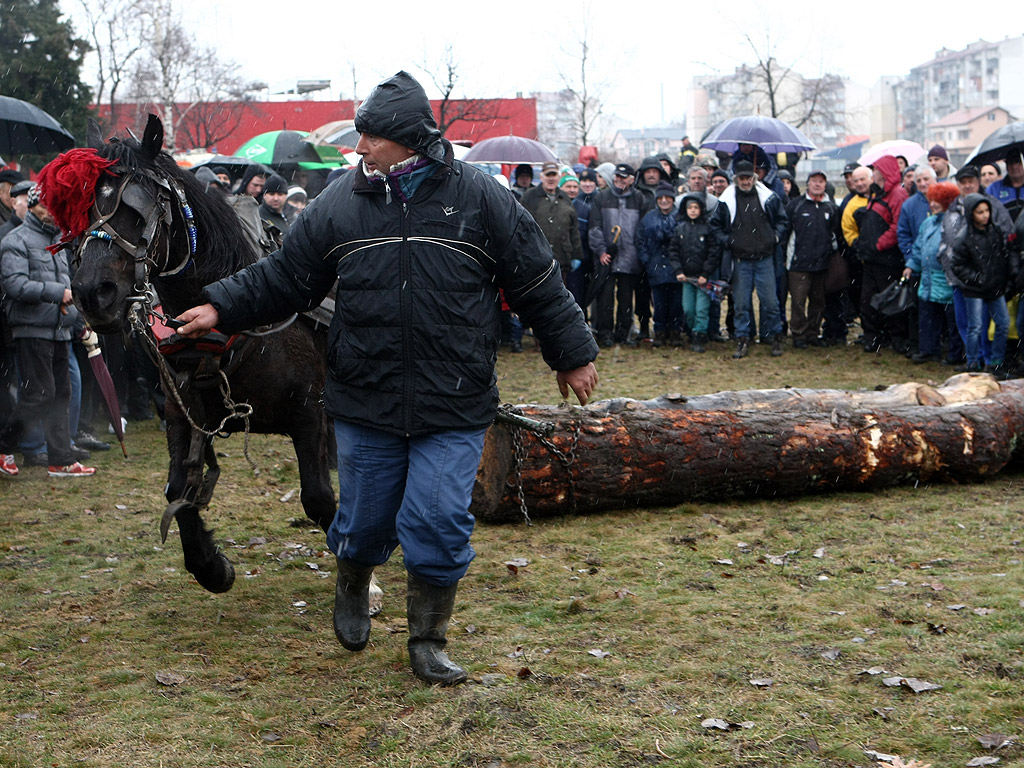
<point>626,453</point>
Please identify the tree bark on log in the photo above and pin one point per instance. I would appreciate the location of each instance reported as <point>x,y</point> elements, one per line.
<point>624,453</point>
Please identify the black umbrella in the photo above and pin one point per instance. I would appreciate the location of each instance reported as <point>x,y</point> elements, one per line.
<point>1008,140</point>
<point>27,130</point>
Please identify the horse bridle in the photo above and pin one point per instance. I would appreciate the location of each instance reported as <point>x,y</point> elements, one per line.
<point>155,211</point>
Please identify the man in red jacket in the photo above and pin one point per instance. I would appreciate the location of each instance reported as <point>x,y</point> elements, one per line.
<point>878,250</point>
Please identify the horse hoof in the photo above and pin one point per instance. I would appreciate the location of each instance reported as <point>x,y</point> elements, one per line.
<point>219,577</point>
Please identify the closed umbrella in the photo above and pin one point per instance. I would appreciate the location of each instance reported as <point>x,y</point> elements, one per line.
<point>769,133</point>
<point>510,150</point>
<point>1008,140</point>
<point>25,129</point>
<point>102,374</point>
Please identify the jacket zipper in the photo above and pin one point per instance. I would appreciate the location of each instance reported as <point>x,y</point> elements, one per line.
<point>404,272</point>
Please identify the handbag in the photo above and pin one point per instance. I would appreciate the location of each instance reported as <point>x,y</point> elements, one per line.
<point>898,298</point>
<point>837,273</point>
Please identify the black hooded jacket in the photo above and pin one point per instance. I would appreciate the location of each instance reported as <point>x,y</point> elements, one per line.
<point>981,261</point>
<point>693,251</point>
<point>414,338</point>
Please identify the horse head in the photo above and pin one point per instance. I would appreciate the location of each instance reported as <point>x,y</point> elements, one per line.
<point>148,226</point>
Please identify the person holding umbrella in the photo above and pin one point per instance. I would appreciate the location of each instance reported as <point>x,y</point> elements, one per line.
<point>1009,190</point>
<point>37,288</point>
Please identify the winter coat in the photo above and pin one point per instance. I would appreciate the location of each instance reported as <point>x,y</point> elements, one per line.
<point>613,208</point>
<point>653,239</point>
<point>557,220</point>
<point>913,213</point>
<point>694,251</point>
<point>812,239</point>
<point>1011,197</point>
<point>414,339</point>
<point>924,261</point>
<point>725,214</point>
<point>34,281</point>
<point>954,224</point>
<point>582,205</point>
<point>877,221</point>
<point>980,259</point>
<point>271,216</point>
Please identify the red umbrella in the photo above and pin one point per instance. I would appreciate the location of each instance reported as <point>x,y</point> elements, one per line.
<point>99,370</point>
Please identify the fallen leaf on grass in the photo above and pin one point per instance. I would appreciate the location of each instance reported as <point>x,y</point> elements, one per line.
<point>724,561</point>
<point>26,716</point>
<point>270,737</point>
<point>937,629</point>
<point>917,686</point>
<point>956,607</point>
<point>983,611</point>
<point>884,712</point>
<point>515,564</point>
<point>724,725</point>
<point>169,678</point>
<point>872,671</point>
<point>819,553</point>
<point>831,654</point>
<point>524,673</point>
<point>882,756</point>
<point>623,593</point>
<point>982,761</point>
<point>599,653</point>
<point>761,682</point>
<point>995,741</point>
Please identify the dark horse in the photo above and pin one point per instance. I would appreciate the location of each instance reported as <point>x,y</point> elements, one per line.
<point>153,225</point>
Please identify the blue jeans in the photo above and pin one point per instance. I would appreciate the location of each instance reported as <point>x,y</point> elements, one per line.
<point>931,318</point>
<point>413,491</point>
<point>748,276</point>
<point>977,328</point>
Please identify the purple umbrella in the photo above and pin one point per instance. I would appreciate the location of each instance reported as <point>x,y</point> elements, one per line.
<point>769,133</point>
<point>509,150</point>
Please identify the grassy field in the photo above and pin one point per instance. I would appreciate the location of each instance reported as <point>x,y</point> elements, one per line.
<point>618,644</point>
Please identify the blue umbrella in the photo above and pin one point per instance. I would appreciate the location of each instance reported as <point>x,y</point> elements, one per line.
<point>769,133</point>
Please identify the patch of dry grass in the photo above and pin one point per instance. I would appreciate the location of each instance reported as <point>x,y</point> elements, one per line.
<point>609,648</point>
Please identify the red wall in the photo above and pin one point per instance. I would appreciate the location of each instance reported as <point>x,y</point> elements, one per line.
<point>512,116</point>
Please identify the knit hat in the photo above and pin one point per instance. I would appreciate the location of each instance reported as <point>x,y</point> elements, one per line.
<point>664,189</point>
<point>297,192</point>
<point>588,174</point>
<point>34,195</point>
<point>938,151</point>
<point>275,185</point>
<point>567,175</point>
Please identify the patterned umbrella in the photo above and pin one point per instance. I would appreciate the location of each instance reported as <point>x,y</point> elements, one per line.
<point>27,130</point>
<point>279,148</point>
<point>769,133</point>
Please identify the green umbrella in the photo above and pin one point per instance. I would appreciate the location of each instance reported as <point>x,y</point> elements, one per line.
<point>279,148</point>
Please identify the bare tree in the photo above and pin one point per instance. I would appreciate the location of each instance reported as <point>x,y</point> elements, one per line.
<point>446,76</point>
<point>584,93</point>
<point>114,29</point>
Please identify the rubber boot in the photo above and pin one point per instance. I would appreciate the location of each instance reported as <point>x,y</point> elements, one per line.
<point>428,608</point>
<point>352,604</point>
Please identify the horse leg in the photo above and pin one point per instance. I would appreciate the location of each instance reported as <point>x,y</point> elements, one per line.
<point>203,558</point>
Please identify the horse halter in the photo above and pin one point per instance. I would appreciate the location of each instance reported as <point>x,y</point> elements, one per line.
<point>155,210</point>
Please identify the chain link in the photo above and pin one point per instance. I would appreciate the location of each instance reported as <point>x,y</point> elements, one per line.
<point>566,458</point>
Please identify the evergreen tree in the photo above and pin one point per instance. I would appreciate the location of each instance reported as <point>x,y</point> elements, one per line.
<point>41,61</point>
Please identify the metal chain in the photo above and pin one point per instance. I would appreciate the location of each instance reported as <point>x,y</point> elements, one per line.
<point>566,458</point>
<point>235,410</point>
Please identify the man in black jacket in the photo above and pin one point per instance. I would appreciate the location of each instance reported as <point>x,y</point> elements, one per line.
<point>420,244</point>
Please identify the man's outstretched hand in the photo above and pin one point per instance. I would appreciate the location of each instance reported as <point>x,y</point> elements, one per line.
<point>581,380</point>
<point>198,321</point>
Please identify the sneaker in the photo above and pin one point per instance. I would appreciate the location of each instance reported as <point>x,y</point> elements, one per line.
<point>78,453</point>
<point>90,442</point>
<point>70,470</point>
<point>7,465</point>
<point>39,459</point>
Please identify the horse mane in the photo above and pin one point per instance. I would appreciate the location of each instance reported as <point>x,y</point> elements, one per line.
<point>221,245</point>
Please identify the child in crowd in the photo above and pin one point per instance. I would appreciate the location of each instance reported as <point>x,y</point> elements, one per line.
<point>985,268</point>
<point>935,295</point>
<point>694,256</point>
<point>653,238</point>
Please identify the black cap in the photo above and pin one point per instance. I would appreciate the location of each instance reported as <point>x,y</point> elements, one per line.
<point>851,167</point>
<point>664,189</point>
<point>220,169</point>
<point>275,185</point>
<point>624,169</point>
<point>10,176</point>
<point>21,188</point>
<point>743,168</point>
<point>968,172</point>
<point>588,174</point>
<point>522,170</point>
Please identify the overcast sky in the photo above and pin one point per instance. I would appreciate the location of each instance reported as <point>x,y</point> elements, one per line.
<point>642,63</point>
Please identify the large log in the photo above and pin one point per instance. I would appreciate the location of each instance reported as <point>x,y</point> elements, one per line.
<point>627,453</point>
